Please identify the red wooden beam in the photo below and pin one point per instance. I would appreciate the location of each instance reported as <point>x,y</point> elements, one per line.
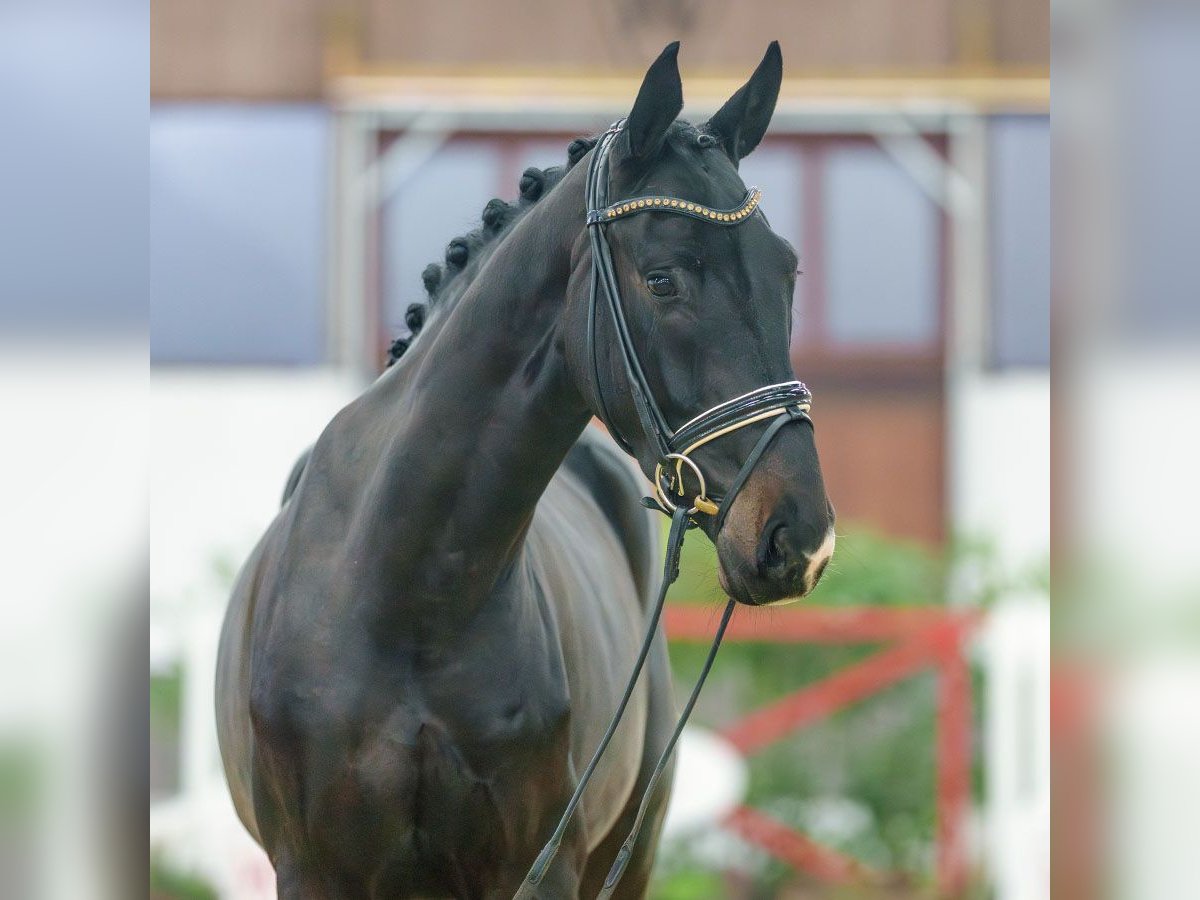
<point>1077,827</point>
<point>849,685</point>
<point>953,769</point>
<point>797,850</point>
<point>927,636</point>
<point>809,624</point>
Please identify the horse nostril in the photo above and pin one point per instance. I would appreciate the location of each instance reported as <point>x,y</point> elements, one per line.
<point>773,552</point>
<point>791,559</point>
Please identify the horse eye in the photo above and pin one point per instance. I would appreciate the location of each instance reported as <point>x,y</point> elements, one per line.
<point>661,285</point>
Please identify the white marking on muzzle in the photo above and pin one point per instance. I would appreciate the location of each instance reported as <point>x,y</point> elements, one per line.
<point>818,559</point>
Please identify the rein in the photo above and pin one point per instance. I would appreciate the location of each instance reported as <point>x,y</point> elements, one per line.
<point>780,404</point>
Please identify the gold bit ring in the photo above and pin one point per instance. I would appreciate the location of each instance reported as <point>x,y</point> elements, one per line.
<point>701,503</point>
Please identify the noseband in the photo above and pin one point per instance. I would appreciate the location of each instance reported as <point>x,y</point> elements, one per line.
<point>786,402</point>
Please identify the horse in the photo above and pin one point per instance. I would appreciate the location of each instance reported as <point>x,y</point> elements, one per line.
<point>422,650</point>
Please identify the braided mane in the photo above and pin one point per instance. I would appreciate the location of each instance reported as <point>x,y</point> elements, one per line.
<point>466,254</point>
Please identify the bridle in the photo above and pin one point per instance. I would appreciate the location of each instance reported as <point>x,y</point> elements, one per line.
<point>779,404</point>
<point>790,398</point>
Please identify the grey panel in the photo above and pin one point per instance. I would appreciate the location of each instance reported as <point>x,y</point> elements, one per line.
<point>73,222</point>
<point>237,215</point>
<point>441,200</point>
<point>540,152</point>
<point>881,252</point>
<point>1020,232</point>
<point>1160,59</point>
<point>776,169</point>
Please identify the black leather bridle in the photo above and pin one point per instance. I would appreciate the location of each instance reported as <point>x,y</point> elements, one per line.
<point>778,404</point>
<point>790,398</point>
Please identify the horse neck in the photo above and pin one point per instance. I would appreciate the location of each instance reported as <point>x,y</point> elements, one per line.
<point>484,412</point>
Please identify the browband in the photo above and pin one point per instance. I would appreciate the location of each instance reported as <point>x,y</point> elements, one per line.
<point>682,207</point>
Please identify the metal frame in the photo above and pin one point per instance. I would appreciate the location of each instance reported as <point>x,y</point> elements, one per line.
<point>899,113</point>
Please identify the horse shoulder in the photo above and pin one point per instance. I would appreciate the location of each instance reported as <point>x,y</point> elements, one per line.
<point>235,735</point>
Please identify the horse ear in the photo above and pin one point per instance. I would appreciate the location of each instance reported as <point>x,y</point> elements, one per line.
<point>659,102</point>
<point>741,123</point>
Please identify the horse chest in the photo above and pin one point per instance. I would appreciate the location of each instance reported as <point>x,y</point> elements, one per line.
<point>475,714</point>
<point>403,751</point>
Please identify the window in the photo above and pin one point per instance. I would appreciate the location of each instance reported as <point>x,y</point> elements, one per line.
<point>444,198</point>
<point>775,168</point>
<point>870,242</point>
<point>881,252</point>
<point>237,249</point>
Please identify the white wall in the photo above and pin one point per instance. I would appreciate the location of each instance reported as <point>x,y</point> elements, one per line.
<point>999,463</point>
<point>1135,488</point>
<point>1013,651</point>
<point>998,438</point>
<point>222,444</point>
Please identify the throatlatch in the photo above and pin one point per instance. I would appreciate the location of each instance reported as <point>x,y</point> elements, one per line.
<point>783,403</point>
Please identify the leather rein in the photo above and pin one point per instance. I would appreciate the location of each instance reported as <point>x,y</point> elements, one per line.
<point>778,404</point>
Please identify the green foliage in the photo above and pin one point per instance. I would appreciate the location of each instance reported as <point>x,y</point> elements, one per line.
<point>166,698</point>
<point>688,884</point>
<point>867,570</point>
<point>21,778</point>
<point>168,883</point>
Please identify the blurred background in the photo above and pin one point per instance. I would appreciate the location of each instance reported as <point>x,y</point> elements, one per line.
<point>290,144</point>
<point>308,158</point>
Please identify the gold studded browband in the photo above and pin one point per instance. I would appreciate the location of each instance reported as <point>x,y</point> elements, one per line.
<point>682,207</point>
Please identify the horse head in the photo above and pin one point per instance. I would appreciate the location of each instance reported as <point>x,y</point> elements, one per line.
<point>706,299</point>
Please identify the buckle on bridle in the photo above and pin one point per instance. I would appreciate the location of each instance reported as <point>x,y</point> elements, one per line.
<point>666,482</point>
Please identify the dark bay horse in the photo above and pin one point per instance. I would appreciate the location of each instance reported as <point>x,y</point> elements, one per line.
<point>424,648</point>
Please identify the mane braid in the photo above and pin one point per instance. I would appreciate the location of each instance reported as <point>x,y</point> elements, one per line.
<point>466,254</point>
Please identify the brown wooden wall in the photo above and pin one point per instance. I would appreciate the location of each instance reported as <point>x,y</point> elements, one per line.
<point>717,35</point>
<point>273,49</point>
<point>254,49</point>
<point>882,456</point>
